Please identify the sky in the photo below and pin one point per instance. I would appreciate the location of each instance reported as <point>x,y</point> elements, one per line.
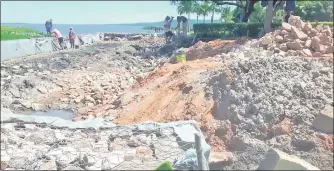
<point>87,12</point>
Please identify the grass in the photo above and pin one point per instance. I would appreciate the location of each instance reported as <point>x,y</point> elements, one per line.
<point>15,33</point>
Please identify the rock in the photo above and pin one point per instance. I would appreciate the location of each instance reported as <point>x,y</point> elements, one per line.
<point>278,160</point>
<point>296,21</point>
<point>117,39</point>
<point>16,67</point>
<point>327,31</point>
<point>41,89</point>
<point>283,47</point>
<point>266,41</point>
<point>294,45</point>
<point>316,54</point>
<point>324,120</point>
<point>15,92</point>
<point>315,44</point>
<point>330,49</point>
<point>284,32</point>
<point>282,128</point>
<point>133,142</point>
<point>298,34</point>
<point>244,142</point>
<point>135,37</point>
<point>288,38</point>
<point>166,49</point>
<point>70,167</point>
<point>308,43</point>
<point>143,152</point>
<point>221,157</point>
<point>307,27</point>
<point>319,27</point>
<point>279,39</point>
<point>324,39</point>
<point>50,165</point>
<point>286,26</point>
<point>35,137</point>
<point>307,52</point>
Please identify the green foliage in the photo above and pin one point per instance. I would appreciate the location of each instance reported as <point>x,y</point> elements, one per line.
<point>330,24</point>
<point>14,33</point>
<point>221,30</point>
<point>165,166</point>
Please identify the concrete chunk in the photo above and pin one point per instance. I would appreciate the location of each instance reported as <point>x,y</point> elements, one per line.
<point>278,160</point>
<point>324,121</point>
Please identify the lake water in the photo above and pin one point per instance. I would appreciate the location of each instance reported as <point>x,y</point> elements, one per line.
<point>86,28</point>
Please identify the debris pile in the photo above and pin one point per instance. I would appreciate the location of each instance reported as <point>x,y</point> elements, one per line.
<point>275,101</point>
<point>297,38</point>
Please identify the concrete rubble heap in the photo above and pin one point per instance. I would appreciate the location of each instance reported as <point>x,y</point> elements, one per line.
<point>297,38</point>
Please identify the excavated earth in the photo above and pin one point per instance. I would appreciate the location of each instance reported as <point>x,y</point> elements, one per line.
<point>246,99</point>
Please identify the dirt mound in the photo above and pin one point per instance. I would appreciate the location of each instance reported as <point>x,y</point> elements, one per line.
<point>209,49</point>
<point>171,93</point>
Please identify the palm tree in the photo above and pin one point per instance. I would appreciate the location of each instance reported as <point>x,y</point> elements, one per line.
<point>197,10</point>
<point>213,8</point>
<point>184,7</point>
<point>205,8</point>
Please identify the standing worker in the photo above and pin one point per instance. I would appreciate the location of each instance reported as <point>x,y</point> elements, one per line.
<point>59,37</point>
<point>185,25</point>
<point>48,26</point>
<point>71,36</point>
<point>167,24</point>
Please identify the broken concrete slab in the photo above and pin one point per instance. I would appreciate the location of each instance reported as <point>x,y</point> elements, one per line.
<point>324,120</point>
<point>279,160</point>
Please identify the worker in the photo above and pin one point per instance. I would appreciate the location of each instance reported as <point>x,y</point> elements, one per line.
<point>71,36</point>
<point>48,27</point>
<point>185,25</point>
<point>178,26</point>
<point>289,7</point>
<point>167,25</point>
<point>59,37</point>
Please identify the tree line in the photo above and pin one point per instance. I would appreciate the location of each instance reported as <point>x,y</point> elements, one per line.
<point>232,11</point>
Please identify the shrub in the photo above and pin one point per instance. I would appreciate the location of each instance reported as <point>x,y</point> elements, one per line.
<point>330,24</point>
<point>229,29</point>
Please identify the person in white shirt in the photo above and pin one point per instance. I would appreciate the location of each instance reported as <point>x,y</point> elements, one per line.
<point>167,24</point>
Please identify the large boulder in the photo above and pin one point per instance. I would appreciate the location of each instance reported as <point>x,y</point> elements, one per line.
<point>278,160</point>
<point>324,120</point>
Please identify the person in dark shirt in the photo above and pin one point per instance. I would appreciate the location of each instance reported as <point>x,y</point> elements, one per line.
<point>71,36</point>
<point>48,26</point>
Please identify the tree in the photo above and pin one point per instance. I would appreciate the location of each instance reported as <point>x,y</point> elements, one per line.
<point>205,8</point>
<point>184,7</point>
<point>197,10</point>
<point>258,15</point>
<point>226,15</point>
<point>213,8</point>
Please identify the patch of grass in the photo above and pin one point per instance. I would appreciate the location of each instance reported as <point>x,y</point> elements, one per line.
<point>15,33</point>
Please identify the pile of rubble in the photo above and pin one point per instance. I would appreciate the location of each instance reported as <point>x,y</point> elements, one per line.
<point>298,38</point>
<point>74,80</point>
<point>266,100</point>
